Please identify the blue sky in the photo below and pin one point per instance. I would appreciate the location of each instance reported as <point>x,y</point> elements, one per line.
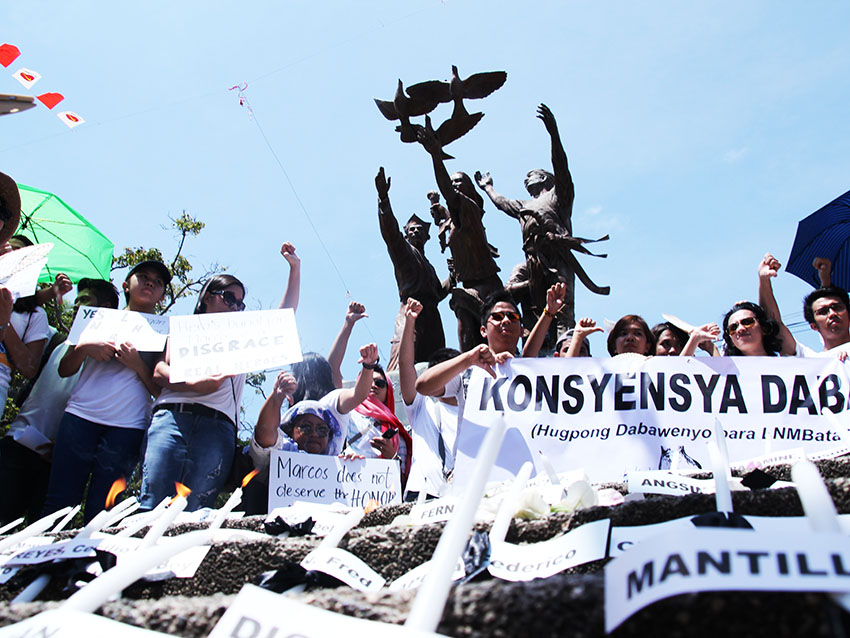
<point>698,135</point>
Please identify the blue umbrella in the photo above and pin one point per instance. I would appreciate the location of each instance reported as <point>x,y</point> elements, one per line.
<point>824,233</point>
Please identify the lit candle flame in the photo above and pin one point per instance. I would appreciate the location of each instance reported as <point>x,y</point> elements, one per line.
<point>182,490</point>
<point>372,505</point>
<point>249,476</point>
<point>117,487</point>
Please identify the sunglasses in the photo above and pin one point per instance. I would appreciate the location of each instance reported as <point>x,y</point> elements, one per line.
<point>836,307</point>
<point>309,428</point>
<point>746,322</point>
<point>229,299</point>
<point>499,316</point>
<point>379,383</point>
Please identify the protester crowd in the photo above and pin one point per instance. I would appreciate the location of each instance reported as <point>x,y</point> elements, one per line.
<point>101,410</point>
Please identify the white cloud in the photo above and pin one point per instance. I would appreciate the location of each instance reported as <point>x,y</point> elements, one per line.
<point>735,155</point>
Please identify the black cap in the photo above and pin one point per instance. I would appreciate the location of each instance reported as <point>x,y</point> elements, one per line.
<point>153,264</point>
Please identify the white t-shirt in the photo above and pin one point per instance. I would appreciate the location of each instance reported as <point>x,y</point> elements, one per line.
<point>44,406</point>
<point>805,351</point>
<point>110,393</point>
<point>29,327</point>
<point>431,419</point>
<point>226,399</point>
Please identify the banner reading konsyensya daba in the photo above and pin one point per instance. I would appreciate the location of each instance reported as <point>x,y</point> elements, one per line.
<point>610,416</point>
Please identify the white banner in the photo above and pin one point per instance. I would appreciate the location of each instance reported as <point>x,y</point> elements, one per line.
<point>316,478</point>
<point>232,343</point>
<point>257,612</point>
<point>723,560</point>
<point>547,558</point>
<point>146,332</point>
<point>613,416</point>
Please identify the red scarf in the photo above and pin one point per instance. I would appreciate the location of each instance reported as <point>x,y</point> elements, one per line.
<point>384,413</point>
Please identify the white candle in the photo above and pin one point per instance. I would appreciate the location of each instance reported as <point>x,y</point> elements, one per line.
<point>11,525</point>
<point>124,508</point>
<point>508,507</point>
<point>128,571</point>
<point>221,515</point>
<point>41,525</point>
<point>549,468</point>
<point>339,530</point>
<point>61,524</point>
<point>720,469</point>
<point>163,521</point>
<point>145,519</point>
<point>428,605</point>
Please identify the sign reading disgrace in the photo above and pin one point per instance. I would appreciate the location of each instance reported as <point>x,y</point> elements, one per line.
<point>329,479</point>
<point>145,332</point>
<point>232,343</point>
<point>723,560</point>
<point>612,416</point>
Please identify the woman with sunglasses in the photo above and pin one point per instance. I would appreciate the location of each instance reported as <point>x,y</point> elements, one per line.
<point>748,331</point>
<point>193,427</point>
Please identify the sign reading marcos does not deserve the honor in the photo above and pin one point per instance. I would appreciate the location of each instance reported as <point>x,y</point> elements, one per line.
<point>611,416</point>
<point>316,478</point>
<point>231,343</point>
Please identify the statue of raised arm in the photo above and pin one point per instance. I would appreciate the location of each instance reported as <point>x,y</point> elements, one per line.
<point>547,239</point>
<point>415,277</point>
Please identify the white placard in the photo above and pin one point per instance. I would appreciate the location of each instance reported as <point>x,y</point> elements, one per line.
<point>325,517</point>
<point>182,565</point>
<point>257,612</point>
<point>414,578</point>
<point>232,343</point>
<point>787,457</point>
<point>6,573</point>
<point>145,332</point>
<point>661,482</point>
<point>60,623</point>
<point>19,269</point>
<point>317,478</point>
<point>614,416</point>
<point>55,551</point>
<point>434,511</point>
<point>723,560</point>
<point>346,566</point>
<point>541,560</point>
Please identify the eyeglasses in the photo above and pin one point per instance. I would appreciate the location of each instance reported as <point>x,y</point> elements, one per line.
<point>309,428</point>
<point>746,322</point>
<point>836,307</point>
<point>499,316</point>
<point>379,383</point>
<point>229,299</point>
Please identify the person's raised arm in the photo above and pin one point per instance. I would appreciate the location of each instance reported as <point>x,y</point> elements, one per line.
<point>432,382</point>
<point>699,336</point>
<point>406,363</point>
<point>769,268</point>
<point>564,187</point>
<point>268,421</point>
<point>584,328</point>
<point>356,312</point>
<point>350,398</point>
<point>293,284</point>
<point>60,286</point>
<point>554,302</point>
<point>510,206</point>
<point>824,268</point>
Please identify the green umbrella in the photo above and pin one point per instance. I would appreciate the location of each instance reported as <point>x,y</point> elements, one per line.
<point>79,249</point>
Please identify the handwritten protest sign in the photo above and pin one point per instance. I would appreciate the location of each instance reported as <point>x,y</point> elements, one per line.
<point>258,612</point>
<point>146,332</point>
<point>613,416</point>
<point>19,269</point>
<point>723,560</point>
<point>328,479</point>
<point>541,560</point>
<point>232,343</point>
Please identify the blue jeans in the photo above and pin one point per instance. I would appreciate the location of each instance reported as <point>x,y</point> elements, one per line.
<point>83,449</point>
<point>196,450</point>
